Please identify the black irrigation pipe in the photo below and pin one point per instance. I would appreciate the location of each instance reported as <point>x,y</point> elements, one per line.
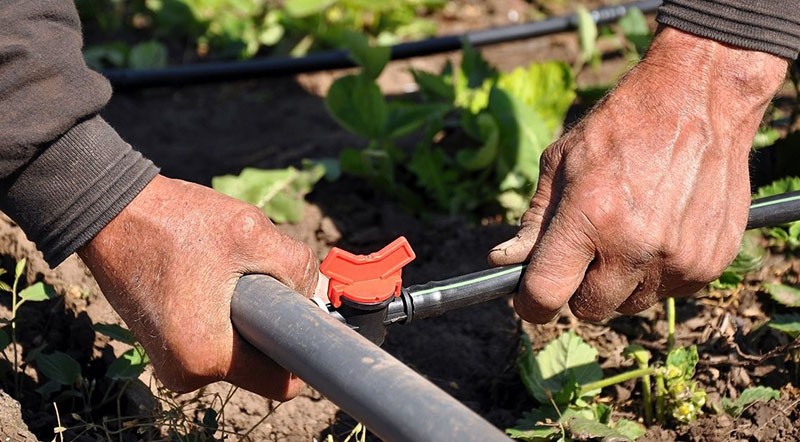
<point>392,400</point>
<point>338,59</point>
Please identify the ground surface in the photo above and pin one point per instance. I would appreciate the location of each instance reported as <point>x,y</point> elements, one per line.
<point>198,132</point>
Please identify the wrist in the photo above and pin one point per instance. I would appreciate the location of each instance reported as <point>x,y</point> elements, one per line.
<point>704,66</point>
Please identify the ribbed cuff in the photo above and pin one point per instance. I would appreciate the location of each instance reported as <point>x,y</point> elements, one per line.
<point>74,187</point>
<point>762,25</point>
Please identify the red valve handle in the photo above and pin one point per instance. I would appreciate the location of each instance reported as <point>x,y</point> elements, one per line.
<point>366,279</point>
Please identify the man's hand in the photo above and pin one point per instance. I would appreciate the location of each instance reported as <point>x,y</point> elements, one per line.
<point>648,196</point>
<point>168,263</point>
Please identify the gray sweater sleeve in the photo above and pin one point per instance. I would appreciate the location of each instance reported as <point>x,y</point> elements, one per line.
<point>64,172</point>
<point>771,26</point>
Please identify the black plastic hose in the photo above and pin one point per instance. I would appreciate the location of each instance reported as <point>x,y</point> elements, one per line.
<point>320,61</point>
<point>389,398</point>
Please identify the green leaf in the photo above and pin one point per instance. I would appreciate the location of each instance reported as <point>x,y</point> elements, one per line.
<point>523,138</point>
<point>357,103</point>
<point>116,332</point>
<point>630,429</point>
<point>582,428</point>
<point>587,36</point>
<point>372,58</point>
<point>279,193</point>
<point>59,367</point>
<point>129,365</point>
<point>405,118</point>
<point>766,136</point>
<point>547,88</point>
<point>37,292</point>
<point>484,156</point>
<point>636,30</point>
<point>540,424</point>
<point>784,294</point>
<point>433,86</point>
<point>786,323</point>
<point>638,353</point>
<point>560,366</point>
<point>48,388</point>
<point>112,54</point>
<point>749,396</point>
<point>751,254</point>
<point>20,267</point>
<point>783,185</point>
<point>681,362</point>
<point>429,166</point>
<point>210,419</point>
<point>304,8</point>
<point>147,55</point>
<point>475,68</point>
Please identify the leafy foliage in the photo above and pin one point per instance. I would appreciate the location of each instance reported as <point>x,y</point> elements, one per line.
<point>784,294</point>
<point>505,121</point>
<point>558,377</point>
<point>241,28</point>
<point>787,235</point>
<point>278,193</point>
<point>59,367</point>
<point>685,398</point>
<point>749,396</point>
<point>786,323</point>
<point>556,373</point>
<point>750,257</point>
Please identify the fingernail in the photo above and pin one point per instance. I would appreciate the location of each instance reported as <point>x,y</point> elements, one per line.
<point>505,245</point>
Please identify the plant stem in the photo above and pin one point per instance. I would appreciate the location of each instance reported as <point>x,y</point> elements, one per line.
<point>670,323</point>
<point>647,397</point>
<point>616,379</point>
<point>661,394</point>
<point>14,306</point>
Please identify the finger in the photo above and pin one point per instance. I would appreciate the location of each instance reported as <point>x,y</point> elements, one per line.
<point>606,286</point>
<point>556,269</point>
<point>518,249</point>
<point>252,370</point>
<point>642,300</point>
<point>271,252</point>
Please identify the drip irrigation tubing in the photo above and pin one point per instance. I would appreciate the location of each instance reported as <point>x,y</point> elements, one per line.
<point>339,59</point>
<point>437,297</point>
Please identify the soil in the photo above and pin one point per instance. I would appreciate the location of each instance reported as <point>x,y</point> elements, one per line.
<point>196,133</point>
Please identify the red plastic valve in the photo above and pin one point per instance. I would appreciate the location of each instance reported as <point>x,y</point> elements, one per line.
<point>366,279</point>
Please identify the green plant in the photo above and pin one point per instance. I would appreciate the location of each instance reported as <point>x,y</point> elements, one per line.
<point>241,28</point>
<point>499,124</point>
<point>787,235</point>
<point>749,396</point>
<point>326,22</point>
<point>34,293</point>
<point>279,193</point>
<point>564,377</point>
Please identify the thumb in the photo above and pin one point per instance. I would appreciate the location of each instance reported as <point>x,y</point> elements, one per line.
<point>556,270</point>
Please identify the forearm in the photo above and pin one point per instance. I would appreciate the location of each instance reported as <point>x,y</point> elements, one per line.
<point>64,173</point>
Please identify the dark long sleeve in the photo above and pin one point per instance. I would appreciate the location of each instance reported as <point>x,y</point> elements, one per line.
<point>771,26</point>
<point>64,172</point>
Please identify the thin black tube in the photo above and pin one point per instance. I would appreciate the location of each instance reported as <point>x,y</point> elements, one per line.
<point>393,401</point>
<point>774,210</point>
<point>320,61</point>
<point>436,297</point>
